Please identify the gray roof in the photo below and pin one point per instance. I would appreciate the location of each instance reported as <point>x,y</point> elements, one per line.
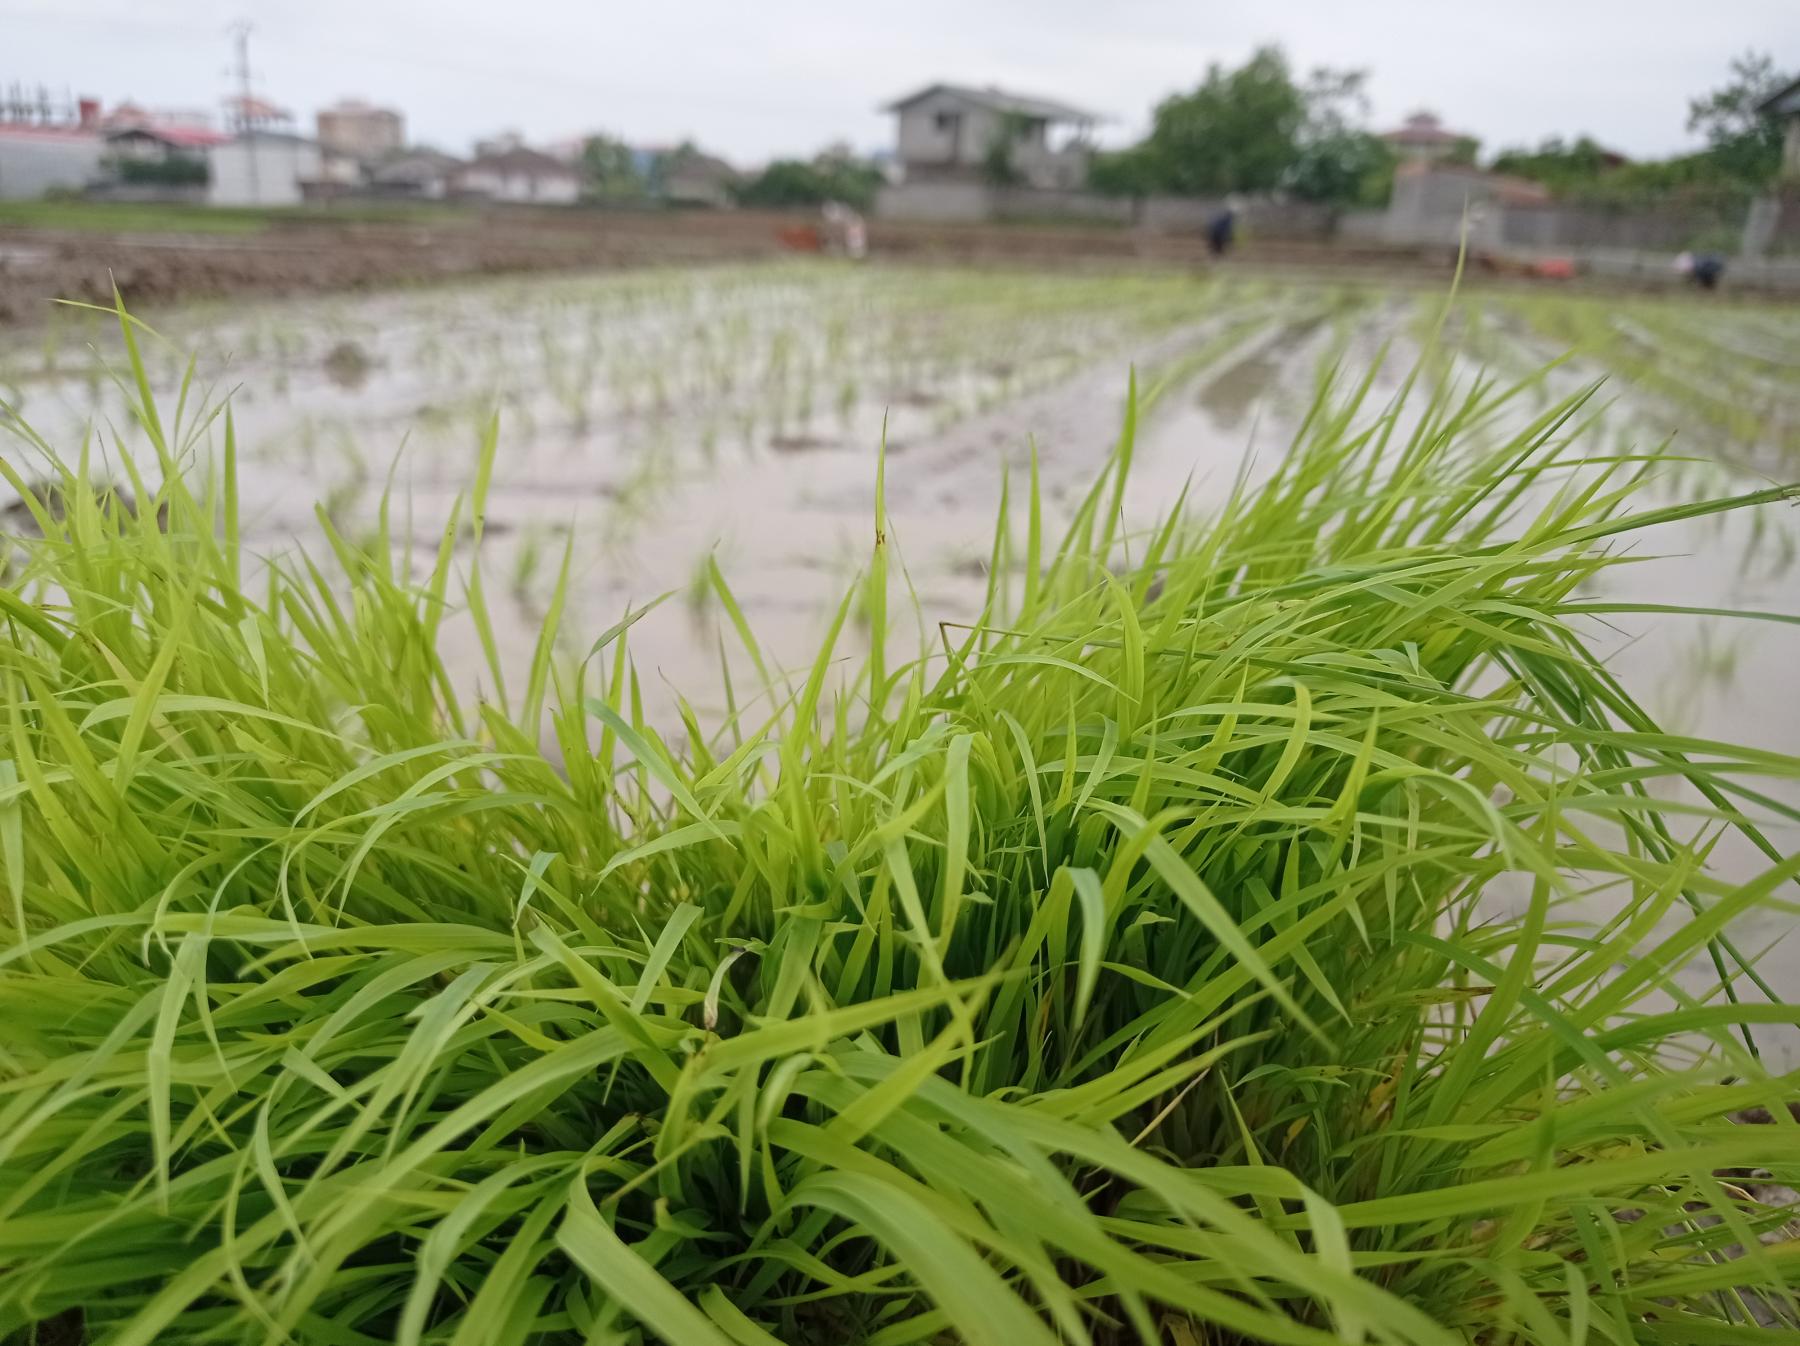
<point>1784,100</point>
<point>703,167</point>
<point>1000,100</point>
<point>410,165</point>
<point>523,160</point>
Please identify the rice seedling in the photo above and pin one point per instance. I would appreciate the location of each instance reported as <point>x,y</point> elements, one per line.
<point>1279,928</point>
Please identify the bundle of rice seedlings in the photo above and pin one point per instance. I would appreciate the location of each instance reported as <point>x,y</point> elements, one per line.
<point>1279,927</point>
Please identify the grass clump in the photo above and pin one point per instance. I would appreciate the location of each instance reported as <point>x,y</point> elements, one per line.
<point>1269,927</point>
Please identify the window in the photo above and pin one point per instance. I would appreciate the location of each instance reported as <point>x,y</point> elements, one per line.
<point>946,121</point>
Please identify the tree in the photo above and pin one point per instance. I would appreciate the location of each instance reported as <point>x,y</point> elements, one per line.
<point>997,166</point>
<point>1136,171</point>
<point>1743,140</point>
<point>1463,151</point>
<point>1562,166</point>
<point>1256,129</point>
<point>1237,132</point>
<point>1352,167</point>
<point>1743,151</point>
<point>177,170</point>
<point>832,176</point>
<point>1335,159</point>
<point>609,169</point>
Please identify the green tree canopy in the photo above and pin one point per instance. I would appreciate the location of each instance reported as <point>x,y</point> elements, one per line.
<point>609,169</point>
<point>1743,151</point>
<point>1254,129</point>
<point>832,176</point>
<point>1743,140</point>
<point>1239,131</point>
<point>1335,158</point>
<point>1561,165</point>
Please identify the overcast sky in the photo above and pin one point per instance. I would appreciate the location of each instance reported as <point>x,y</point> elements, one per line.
<point>757,78</point>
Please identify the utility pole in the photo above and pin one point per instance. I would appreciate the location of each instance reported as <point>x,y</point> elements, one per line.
<point>240,32</point>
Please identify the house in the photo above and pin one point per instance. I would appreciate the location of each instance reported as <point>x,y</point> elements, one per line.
<point>37,159</point>
<point>152,161</point>
<point>1785,104</point>
<point>691,178</point>
<point>499,144</point>
<point>419,173</point>
<point>949,132</point>
<point>1424,138</point>
<point>263,168</point>
<point>150,143</point>
<point>360,130</point>
<point>519,175</point>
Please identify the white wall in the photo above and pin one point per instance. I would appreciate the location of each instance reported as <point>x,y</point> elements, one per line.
<point>550,189</point>
<point>261,171</point>
<point>922,141</point>
<point>946,202</point>
<point>31,164</point>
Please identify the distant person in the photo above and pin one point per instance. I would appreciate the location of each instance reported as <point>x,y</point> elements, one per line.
<point>1703,268</point>
<point>845,228</point>
<point>1222,231</point>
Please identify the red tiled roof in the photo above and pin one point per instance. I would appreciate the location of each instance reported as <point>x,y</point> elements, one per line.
<point>1421,129</point>
<point>22,131</point>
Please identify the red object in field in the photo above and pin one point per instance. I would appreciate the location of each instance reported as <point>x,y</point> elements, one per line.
<point>1554,268</point>
<point>800,238</point>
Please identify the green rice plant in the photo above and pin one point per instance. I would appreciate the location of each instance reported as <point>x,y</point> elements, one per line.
<point>1276,930</point>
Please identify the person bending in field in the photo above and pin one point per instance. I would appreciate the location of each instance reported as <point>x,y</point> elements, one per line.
<point>1703,268</point>
<point>1222,231</point>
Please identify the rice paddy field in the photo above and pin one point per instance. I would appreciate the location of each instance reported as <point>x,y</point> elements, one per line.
<point>814,804</point>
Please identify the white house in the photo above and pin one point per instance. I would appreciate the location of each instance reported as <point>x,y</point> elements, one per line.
<point>263,168</point>
<point>521,175</point>
<point>695,179</point>
<point>948,132</point>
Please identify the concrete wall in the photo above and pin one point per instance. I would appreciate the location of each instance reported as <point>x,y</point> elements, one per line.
<point>1284,221</point>
<point>1431,208</point>
<point>259,170</point>
<point>1363,226</point>
<point>34,161</point>
<point>1428,209</point>
<point>1026,203</point>
<point>1566,224</point>
<point>971,202</point>
<point>938,202</point>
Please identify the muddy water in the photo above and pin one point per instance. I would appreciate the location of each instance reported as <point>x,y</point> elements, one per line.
<point>654,423</point>
<point>657,423</point>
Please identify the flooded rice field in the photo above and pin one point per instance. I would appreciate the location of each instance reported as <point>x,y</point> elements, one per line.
<point>659,431</point>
